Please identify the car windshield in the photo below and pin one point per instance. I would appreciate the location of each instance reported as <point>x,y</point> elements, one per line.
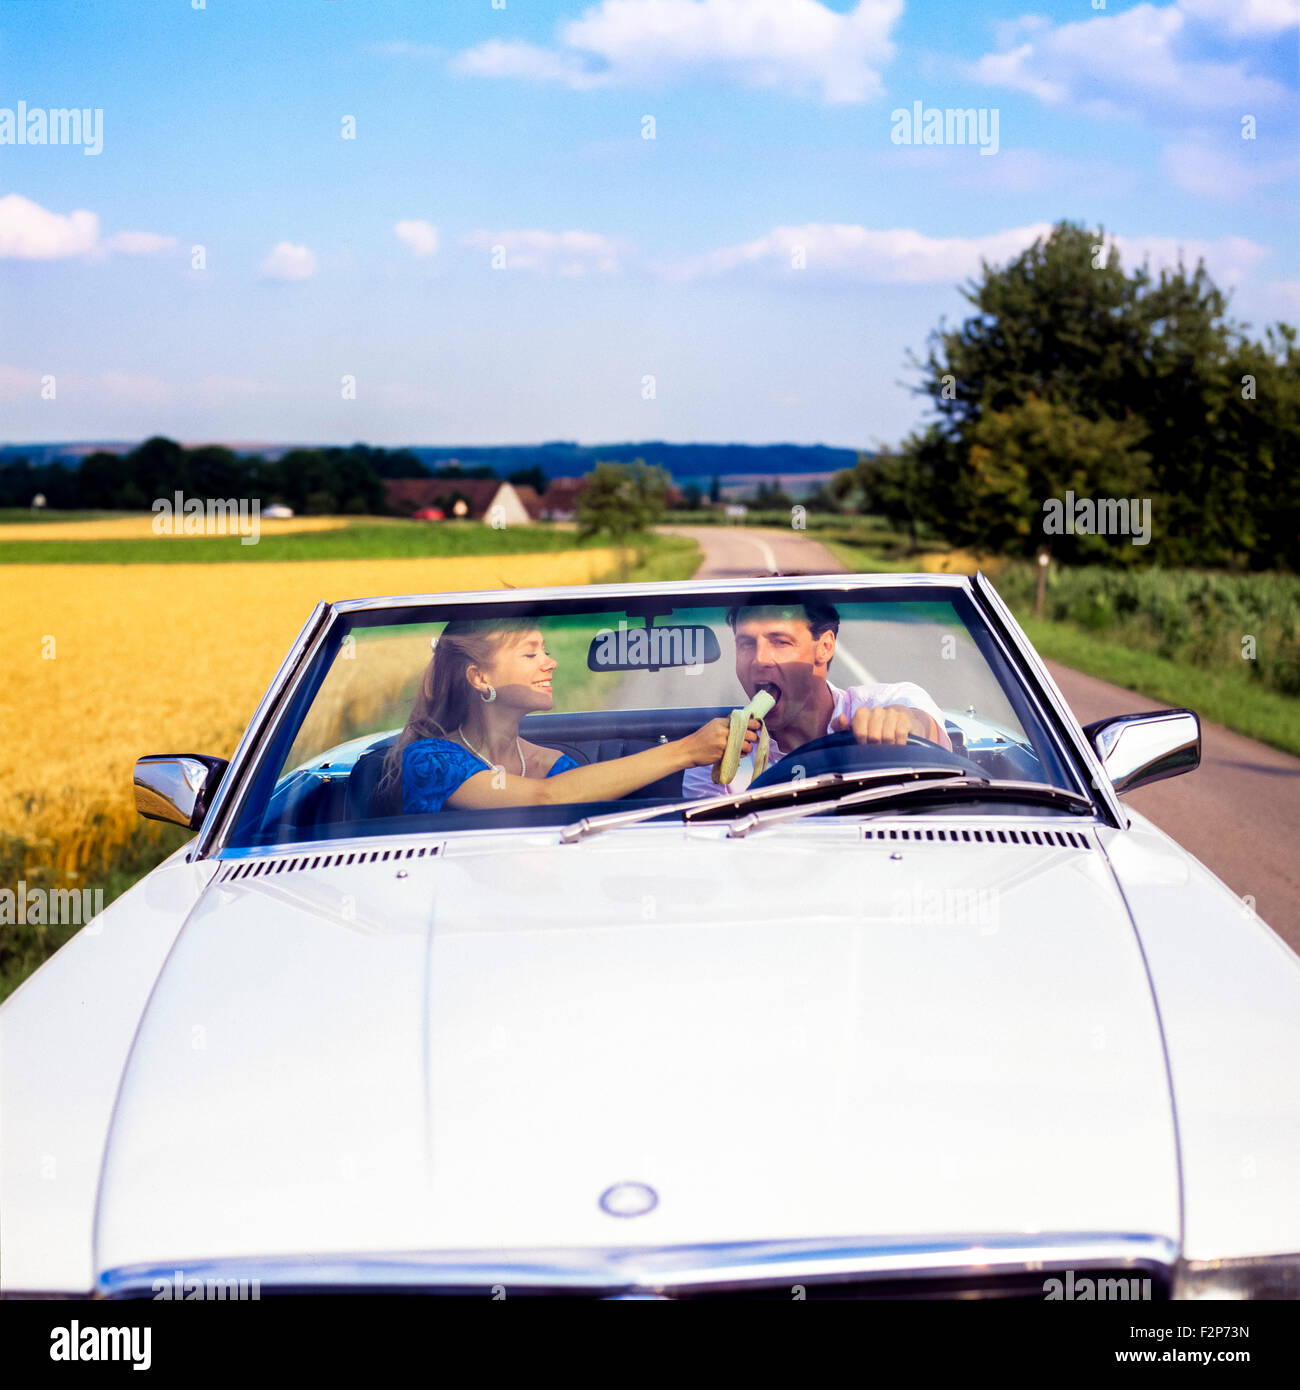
<point>539,711</point>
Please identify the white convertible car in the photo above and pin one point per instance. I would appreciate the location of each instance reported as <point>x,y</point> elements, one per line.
<point>473,980</point>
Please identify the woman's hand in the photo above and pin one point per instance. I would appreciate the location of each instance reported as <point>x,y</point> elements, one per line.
<point>708,743</point>
<point>601,781</point>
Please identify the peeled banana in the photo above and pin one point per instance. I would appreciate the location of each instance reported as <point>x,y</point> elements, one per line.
<point>758,708</point>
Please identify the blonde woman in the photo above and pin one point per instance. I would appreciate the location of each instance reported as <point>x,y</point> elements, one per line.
<point>463,732</point>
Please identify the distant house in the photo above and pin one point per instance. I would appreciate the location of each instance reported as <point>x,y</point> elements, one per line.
<point>532,502</point>
<point>483,499</point>
<point>560,500</point>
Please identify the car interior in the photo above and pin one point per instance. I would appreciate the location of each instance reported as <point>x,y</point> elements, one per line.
<point>349,796</point>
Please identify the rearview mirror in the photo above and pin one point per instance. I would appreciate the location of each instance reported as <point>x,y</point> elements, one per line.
<point>651,648</point>
<point>177,787</point>
<point>1139,748</point>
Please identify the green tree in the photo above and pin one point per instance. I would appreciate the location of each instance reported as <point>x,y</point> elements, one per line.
<point>534,477</point>
<point>1065,325</point>
<point>771,497</point>
<point>844,488</point>
<point>621,500</point>
<point>1022,458</point>
<point>331,481</point>
<point>892,484</point>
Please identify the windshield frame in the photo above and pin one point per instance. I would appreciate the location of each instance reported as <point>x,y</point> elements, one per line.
<point>297,682</point>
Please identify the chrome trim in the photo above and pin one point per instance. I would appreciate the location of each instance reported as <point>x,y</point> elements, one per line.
<point>176,787</point>
<point>232,784</point>
<point>1238,1277</point>
<point>1037,669</point>
<point>658,588</point>
<point>1136,749</point>
<point>743,1265</point>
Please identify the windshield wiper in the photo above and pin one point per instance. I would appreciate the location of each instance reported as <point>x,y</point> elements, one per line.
<point>799,790</point>
<point>962,788</point>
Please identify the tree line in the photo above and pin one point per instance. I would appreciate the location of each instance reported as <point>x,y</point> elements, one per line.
<point>328,480</point>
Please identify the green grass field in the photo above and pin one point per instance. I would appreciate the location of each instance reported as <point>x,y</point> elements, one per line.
<point>1175,636</point>
<point>368,539</point>
<point>1229,698</point>
<point>10,515</point>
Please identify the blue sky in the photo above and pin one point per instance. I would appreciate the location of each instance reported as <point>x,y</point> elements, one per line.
<point>767,258</point>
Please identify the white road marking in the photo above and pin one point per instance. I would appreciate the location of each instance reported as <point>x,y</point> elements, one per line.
<point>856,669</point>
<point>769,558</point>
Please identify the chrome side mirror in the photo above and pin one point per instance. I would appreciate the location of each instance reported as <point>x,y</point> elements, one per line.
<point>1139,748</point>
<point>177,787</point>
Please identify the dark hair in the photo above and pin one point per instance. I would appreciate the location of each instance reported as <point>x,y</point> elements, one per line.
<point>820,617</point>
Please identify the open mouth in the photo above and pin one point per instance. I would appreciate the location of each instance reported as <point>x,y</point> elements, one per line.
<point>772,689</point>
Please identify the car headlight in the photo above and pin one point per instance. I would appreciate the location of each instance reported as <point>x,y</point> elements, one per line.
<point>1265,1276</point>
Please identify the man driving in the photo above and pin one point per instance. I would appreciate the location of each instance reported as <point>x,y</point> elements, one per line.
<point>787,651</point>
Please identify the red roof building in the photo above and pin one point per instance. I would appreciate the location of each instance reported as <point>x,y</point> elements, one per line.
<point>560,500</point>
<point>484,499</point>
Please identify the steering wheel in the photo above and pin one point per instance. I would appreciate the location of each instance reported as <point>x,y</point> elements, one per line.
<point>841,752</point>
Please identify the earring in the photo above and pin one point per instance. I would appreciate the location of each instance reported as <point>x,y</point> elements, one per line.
<point>491,695</point>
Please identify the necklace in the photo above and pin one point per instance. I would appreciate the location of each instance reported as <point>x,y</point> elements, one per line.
<point>519,748</point>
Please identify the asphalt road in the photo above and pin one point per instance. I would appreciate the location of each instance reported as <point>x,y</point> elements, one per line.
<point>1238,813</point>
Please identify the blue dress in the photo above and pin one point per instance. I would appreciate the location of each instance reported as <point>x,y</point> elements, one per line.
<point>432,769</point>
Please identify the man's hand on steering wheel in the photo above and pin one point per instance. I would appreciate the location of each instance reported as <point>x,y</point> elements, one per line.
<point>889,724</point>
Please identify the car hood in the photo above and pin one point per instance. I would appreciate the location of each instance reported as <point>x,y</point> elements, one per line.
<point>798,1035</point>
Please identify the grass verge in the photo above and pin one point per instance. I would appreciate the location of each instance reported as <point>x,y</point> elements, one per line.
<point>1235,701</point>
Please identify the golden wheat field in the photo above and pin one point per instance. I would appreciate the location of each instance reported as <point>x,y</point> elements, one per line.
<point>107,662</point>
<point>140,528</point>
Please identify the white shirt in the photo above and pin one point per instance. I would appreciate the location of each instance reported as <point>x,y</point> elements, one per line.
<point>698,781</point>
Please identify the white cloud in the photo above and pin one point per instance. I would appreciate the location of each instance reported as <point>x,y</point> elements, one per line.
<point>792,45</point>
<point>29,232</point>
<point>140,243</point>
<point>1198,166</point>
<point>421,237</point>
<point>566,253</point>
<point>1122,62</point>
<point>289,262</point>
<point>895,256</point>
<point>901,255</point>
<point>1246,17</point>
<point>513,58</point>
<point>1229,260</point>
